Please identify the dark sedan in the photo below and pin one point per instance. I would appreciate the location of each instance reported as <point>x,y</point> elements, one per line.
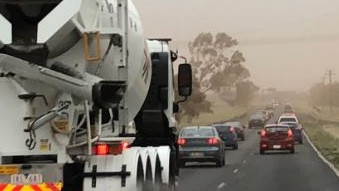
<point>228,135</point>
<point>239,129</point>
<point>200,144</point>
<point>297,131</point>
<point>256,120</point>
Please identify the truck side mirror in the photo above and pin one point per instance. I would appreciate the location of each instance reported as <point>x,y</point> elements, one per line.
<point>185,80</point>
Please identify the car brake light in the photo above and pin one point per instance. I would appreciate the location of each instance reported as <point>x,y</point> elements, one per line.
<point>106,149</point>
<point>263,133</point>
<point>213,141</point>
<point>289,133</point>
<point>232,129</point>
<point>181,141</point>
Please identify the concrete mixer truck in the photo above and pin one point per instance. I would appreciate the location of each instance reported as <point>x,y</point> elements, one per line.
<point>86,102</point>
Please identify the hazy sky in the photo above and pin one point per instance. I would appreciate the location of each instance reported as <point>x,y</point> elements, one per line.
<point>288,44</point>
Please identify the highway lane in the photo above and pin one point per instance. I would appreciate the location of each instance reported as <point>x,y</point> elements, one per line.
<point>246,170</point>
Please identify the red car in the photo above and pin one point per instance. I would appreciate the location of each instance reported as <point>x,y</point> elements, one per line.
<point>276,137</point>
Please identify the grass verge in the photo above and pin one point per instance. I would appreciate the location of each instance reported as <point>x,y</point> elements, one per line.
<point>221,112</point>
<point>325,142</point>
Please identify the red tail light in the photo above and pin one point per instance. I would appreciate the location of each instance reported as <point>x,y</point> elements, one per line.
<point>263,133</point>
<point>289,133</point>
<point>181,141</point>
<point>232,129</point>
<point>100,149</point>
<point>213,141</point>
<point>106,149</point>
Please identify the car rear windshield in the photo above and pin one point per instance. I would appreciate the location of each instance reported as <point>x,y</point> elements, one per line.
<point>194,132</point>
<point>293,125</point>
<point>275,129</point>
<point>234,124</point>
<point>288,119</point>
<point>223,128</point>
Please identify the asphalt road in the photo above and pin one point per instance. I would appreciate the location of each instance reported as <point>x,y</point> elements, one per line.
<point>247,170</point>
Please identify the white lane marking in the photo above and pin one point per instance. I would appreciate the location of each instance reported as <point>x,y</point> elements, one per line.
<point>332,167</point>
<point>221,185</point>
<point>235,170</point>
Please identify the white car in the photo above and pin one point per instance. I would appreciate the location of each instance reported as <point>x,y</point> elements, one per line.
<point>287,118</point>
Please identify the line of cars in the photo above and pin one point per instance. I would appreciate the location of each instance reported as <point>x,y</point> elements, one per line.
<point>208,143</point>
<point>260,117</point>
<point>283,134</point>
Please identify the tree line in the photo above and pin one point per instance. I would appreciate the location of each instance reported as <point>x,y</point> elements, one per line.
<point>217,67</point>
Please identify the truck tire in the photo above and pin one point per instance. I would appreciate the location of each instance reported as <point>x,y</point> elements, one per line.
<point>71,179</point>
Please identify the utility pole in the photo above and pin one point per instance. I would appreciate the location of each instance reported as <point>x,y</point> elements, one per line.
<point>330,76</point>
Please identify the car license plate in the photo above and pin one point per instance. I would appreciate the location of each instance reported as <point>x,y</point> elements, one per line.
<point>9,169</point>
<point>276,146</point>
<point>23,179</point>
<point>197,154</point>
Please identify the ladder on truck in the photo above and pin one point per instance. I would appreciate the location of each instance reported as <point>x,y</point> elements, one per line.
<point>117,32</point>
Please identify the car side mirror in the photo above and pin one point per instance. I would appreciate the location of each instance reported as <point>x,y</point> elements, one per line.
<point>185,80</point>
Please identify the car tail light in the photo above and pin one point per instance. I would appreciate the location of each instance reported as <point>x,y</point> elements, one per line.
<point>109,149</point>
<point>263,133</point>
<point>213,141</point>
<point>289,133</point>
<point>181,141</point>
<point>231,129</point>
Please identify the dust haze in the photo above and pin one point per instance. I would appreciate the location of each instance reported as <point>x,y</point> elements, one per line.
<point>288,45</point>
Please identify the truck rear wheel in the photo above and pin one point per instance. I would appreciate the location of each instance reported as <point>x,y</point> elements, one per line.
<point>71,177</point>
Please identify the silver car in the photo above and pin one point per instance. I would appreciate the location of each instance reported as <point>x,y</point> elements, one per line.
<point>201,144</point>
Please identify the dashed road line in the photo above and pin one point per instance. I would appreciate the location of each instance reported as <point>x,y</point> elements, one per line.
<point>235,170</point>
<point>221,185</point>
